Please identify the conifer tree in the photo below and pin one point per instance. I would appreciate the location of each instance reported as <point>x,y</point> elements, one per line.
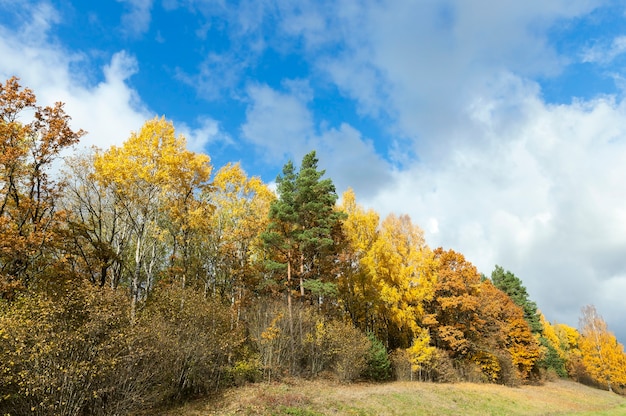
<point>512,286</point>
<point>299,235</point>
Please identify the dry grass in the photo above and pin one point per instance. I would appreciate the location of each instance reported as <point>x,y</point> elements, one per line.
<point>313,398</point>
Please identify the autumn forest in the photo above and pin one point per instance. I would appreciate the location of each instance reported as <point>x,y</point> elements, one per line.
<point>140,275</point>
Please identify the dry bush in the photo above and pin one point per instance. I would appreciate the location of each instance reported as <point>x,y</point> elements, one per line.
<point>186,342</point>
<point>440,368</point>
<point>401,365</point>
<point>62,353</point>
<point>77,353</point>
<point>443,369</point>
<point>308,345</point>
<point>269,330</point>
<point>349,350</point>
<point>509,373</point>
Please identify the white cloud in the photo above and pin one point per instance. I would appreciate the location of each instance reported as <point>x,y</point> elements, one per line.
<point>136,21</point>
<point>281,125</point>
<point>605,54</point>
<point>208,132</point>
<point>108,111</point>
<point>418,62</point>
<point>544,200</point>
<point>278,123</point>
<point>351,161</point>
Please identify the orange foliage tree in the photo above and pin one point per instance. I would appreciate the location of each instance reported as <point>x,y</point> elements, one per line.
<point>506,333</point>
<point>28,220</point>
<point>453,313</point>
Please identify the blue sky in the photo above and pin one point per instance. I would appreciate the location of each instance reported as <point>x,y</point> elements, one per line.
<point>497,126</point>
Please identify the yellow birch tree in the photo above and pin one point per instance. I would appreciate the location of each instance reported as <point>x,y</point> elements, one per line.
<point>602,355</point>
<point>156,181</point>
<point>401,266</point>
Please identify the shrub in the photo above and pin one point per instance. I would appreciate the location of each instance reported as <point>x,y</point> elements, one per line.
<point>269,331</point>
<point>246,370</point>
<point>308,346</point>
<point>189,339</point>
<point>509,373</point>
<point>62,355</point>
<point>488,365</point>
<point>442,368</point>
<point>349,350</point>
<point>378,366</point>
<point>401,365</point>
<point>77,353</point>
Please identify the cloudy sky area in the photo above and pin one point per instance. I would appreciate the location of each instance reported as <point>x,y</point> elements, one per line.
<point>499,127</point>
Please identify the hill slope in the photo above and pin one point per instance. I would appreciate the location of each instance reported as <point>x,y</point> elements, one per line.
<point>312,398</point>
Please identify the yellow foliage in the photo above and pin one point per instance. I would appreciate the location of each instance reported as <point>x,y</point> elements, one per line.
<point>157,182</point>
<point>489,365</point>
<point>388,272</point>
<point>550,334</point>
<point>420,352</point>
<point>154,167</point>
<point>403,272</point>
<point>273,330</point>
<point>602,356</point>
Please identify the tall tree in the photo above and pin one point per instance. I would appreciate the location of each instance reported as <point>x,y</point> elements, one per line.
<point>299,235</point>
<point>512,286</point>
<point>318,219</point>
<point>303,220</point>
<point>356,290</point>
<point>28,216</point>
<point>602,355</point>
<point>453,314</point>
<point>156,181</point>
<point>403,272</point>
<point>232,246</point>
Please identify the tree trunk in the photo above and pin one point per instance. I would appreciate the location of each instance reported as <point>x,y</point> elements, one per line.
<point>302,276</point>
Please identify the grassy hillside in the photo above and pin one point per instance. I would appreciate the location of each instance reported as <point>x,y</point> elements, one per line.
<point>312,398</point>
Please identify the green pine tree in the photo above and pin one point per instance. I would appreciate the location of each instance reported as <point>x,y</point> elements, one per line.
<point>512,286</point>
<point>300,234</point>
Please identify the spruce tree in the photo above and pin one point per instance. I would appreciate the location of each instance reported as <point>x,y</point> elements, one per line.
<point>512,286</point>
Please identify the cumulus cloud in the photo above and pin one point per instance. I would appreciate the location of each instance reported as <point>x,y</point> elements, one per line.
<point>543,200</point>
<point>279,123</point>
<point>282,127</point>
<point>108,111</point>
<point>207,132</point>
